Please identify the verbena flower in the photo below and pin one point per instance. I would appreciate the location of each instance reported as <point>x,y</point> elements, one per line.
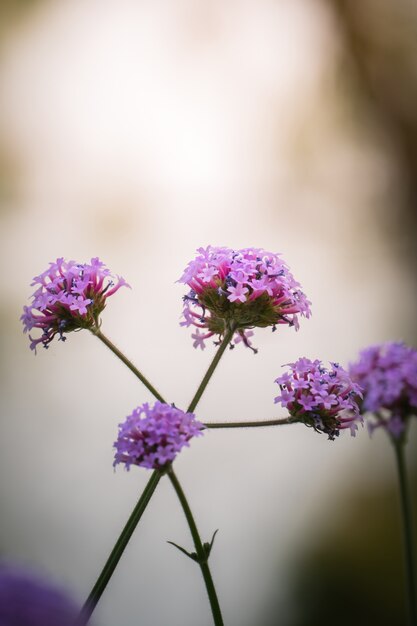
<point>325,399</point>
<point>388,375</point>
<point>152,436</point>
<point>69,296</point>
<point>27,600</point>
<point>239,289</point>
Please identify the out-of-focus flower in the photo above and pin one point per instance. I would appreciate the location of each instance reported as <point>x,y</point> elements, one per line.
<point>240,289</point>
<point>388,375</point>
<point>69,296</point>
<point>152,436</point>
<point>28,600</point>
<point>325,399</point>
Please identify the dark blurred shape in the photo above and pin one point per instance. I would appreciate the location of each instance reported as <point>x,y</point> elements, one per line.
<point>380,66</point>
<point>13,10</point>
<point>26,599</point>
<point>354,572</point>
<point>355,576</point>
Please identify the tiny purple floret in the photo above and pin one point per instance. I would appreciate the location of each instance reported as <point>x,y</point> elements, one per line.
<point>387,373</point>
<point>325,399</point>
<point>152,436</point>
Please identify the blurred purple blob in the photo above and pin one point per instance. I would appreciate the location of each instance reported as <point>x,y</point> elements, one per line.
<point>387,374</point>
<point>27,599</point>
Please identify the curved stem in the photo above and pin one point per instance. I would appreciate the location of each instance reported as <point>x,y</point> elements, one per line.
<point>118,550</point>
<point>274,422</point>
<point>409,552</point>
<point>97,332</point>
<point>225,342</point>
<point>201,553</point>
<point>143,501</point>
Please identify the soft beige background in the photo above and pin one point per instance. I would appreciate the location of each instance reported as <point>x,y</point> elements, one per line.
<point>139,131</point>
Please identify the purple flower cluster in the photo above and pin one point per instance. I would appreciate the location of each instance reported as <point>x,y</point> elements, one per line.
<point>152,436</point>
<point>69,296</point>
<point>26,600</point>
<point>241,289</point>
<point>388,375</point>
<point>325,399</point>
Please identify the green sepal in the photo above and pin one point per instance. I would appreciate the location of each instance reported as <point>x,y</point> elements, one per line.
<point>191,555</point>
<point>207,547</point>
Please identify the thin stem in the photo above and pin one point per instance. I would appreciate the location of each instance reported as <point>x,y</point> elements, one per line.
<point>118,550</point>
<point>143,501</point>
<point>407,531</point>
<point>97,332</point>
<point>276,422</point>
<point>225,342</point>
<point>201,553</point>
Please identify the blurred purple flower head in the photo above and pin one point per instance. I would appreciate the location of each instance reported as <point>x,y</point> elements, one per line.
<point>69,296</point>
<point>388,375</point>
<point>243,289</point>
<point>325,399</point>
<point>27,600</point>
<point>152,436</point>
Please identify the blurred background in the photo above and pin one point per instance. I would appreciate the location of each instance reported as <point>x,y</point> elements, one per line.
<point>137,132</point>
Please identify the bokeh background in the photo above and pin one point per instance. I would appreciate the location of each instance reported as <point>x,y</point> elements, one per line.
<point>137,131</point>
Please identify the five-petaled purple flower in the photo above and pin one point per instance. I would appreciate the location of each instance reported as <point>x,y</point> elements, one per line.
<point>240,289</point>
<point>152,436</point>
<point>388,375</point>
<point>325,399</point>
<point>28,600</point>
<point>69,296</point>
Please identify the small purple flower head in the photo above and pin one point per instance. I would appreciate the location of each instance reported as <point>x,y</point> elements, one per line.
<point>69,296</point>
<point>240,289</point>
<point>27,600</point>
<point>325,399</point>
<point>388,375</point>
<point>152,436</point>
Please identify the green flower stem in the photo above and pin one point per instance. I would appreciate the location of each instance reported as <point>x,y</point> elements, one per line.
<point>118,550</point>
<point>409,550</point>
<point>143,501</point>
<point>97,332</point>
<point>225,342</point>
<point>277,422</point>
<point>201,553</point>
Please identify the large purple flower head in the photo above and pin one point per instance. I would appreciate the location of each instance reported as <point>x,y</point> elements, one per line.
<point>27,600</point>
<point>325,399</point>
<point>240,289</point>
<point>152,436</point>
<point>388,375</point>
<point>69,296</point>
